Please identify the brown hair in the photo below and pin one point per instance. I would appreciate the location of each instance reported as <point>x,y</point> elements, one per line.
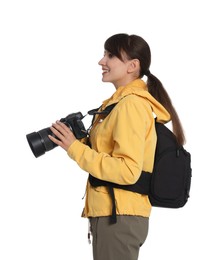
<point>135,47</point>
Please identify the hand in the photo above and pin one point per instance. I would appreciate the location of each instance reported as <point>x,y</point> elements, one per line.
<point>63,133</point>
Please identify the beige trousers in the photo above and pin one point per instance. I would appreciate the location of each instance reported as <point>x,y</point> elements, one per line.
<point>119,241</point>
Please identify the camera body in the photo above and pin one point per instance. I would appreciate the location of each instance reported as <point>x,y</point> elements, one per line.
<point>40,143</point>
<point>74,122</point>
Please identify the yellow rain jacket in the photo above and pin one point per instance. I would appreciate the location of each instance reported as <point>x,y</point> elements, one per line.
<point>122,145</point>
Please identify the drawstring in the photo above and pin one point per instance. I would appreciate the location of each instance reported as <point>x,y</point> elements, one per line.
<point>89,232</point>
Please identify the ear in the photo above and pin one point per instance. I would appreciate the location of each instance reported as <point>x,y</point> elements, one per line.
<point>134,65</point>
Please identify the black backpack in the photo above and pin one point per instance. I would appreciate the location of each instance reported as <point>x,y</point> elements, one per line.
<point>169,183</point>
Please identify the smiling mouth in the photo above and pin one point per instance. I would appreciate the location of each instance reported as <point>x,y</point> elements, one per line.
<point>105,71</point>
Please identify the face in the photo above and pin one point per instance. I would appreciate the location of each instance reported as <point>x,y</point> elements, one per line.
<point>114,70</point>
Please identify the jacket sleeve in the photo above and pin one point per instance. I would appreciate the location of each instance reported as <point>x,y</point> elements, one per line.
<point>125,163</point>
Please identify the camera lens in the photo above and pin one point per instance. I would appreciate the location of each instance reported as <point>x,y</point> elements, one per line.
<point>39,142</point>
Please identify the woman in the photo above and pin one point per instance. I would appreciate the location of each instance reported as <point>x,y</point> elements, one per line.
<point>122,145</point>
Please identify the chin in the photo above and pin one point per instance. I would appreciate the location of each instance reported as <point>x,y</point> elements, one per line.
<point>104,80</point>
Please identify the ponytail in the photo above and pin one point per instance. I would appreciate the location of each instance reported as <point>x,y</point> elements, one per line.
<point>157,90</point>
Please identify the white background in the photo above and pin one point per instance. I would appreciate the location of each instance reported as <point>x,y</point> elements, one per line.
<point>49,52</point>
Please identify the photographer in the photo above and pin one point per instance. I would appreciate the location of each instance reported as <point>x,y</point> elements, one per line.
<point>122,144</point>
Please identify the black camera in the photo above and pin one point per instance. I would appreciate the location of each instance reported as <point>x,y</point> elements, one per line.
<point>40,143</point>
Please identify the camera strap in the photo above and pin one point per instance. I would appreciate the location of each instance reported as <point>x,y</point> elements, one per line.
<point>106,111</point>
<point>95,111</point>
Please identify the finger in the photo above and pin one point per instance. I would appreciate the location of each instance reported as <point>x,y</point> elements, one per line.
<point>63,126</point>
<point>55,140</point>
<point>63,141</point>
<point>57,131</point>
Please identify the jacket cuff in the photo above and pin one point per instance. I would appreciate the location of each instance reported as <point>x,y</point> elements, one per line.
<point>75,149</point>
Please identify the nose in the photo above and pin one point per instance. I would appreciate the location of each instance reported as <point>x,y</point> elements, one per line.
<point>102,61</point>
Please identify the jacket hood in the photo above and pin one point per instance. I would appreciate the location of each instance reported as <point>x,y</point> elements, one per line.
<point>138,87</point>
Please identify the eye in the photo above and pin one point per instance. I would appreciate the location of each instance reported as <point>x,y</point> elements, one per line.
<point>110,55</point>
